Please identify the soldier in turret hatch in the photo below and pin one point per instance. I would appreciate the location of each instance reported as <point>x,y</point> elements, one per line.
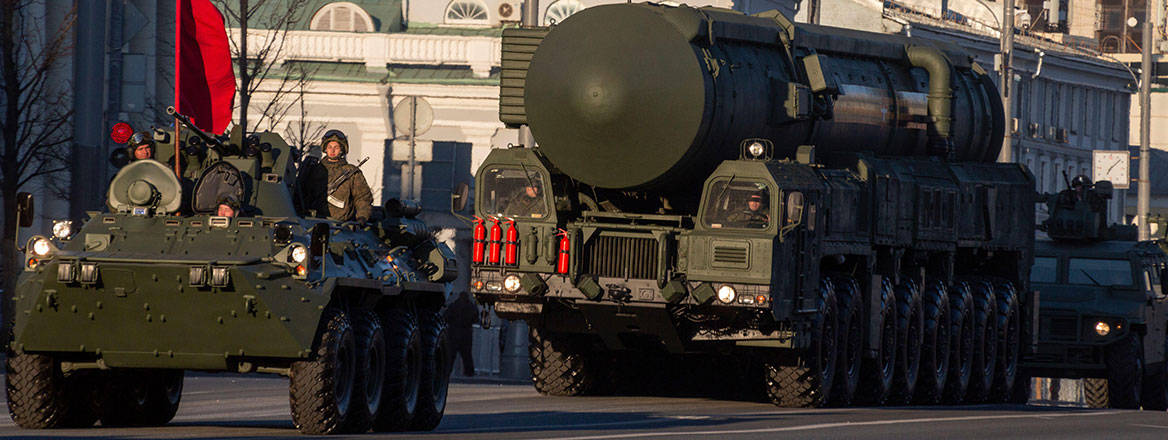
<point>228,206</point>
<point>336,188</point>
<point>753,216</point>
<point>141,146</point>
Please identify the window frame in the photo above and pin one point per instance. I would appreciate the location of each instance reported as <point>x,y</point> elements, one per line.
<point>356,12</point>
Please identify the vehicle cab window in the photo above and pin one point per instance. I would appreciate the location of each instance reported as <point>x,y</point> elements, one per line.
<point>742,204</point>
<point>1045,270</point>
<point>1099,272</point>
<point>514,193</point>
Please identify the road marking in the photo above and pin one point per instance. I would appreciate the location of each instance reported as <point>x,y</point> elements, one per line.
<point>1150,426</point>
<point>819,426</point>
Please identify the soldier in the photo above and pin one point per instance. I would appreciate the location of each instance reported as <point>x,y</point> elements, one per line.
<point>141,146</point>
<point>228,206</point>
<point>753,216</point>
<point>461,315</point>
<point>351,199</point>
<point>526,203</point>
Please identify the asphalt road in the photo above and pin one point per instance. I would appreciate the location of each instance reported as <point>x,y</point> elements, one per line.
<point>240,407</point>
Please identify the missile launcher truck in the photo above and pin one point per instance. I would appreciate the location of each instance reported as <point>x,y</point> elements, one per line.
<point>816,208</point>
<point>1103,311</point>
<point>108,316</point>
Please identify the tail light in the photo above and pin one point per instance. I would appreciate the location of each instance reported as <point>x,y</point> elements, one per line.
<point>495,242</point>
<point>480,237</point>
<point>511,245</point>
<point>565,252</point>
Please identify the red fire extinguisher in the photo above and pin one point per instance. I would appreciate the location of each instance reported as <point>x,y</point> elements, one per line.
<point>496,240</point>
<point>511,244</point>
<point>480,244</point>
<point>565,252</point>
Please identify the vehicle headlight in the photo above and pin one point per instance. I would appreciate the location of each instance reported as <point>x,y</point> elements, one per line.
<point>41,247</point>
<point>1102,328</point>
<point>511,283</point>
<point>726,294</point>
<point>756,149</point>
<point>62,229</point>
<point>299,254</point>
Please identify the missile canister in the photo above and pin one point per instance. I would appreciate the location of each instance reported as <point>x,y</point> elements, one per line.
<point>654,97</point>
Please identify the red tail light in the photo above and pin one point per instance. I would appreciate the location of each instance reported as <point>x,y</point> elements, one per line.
<point>480,244</point>
<point>496,241</point>
<point>121,132</point>
<point>511,245</point>
<point>565,252</point>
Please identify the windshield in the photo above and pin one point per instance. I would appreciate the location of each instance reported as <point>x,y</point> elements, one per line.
<point>738,203</point>
<point>513,192</point>
<point>1093,271</point>
<point>1045,270</point>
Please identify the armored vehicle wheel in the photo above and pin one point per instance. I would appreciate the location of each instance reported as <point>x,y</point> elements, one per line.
<point>141,397</point>
<point>808,383</point>
<point>1009,338</point>
<point>435,369</point>
<point>850,344</point>
<point>321,390</point>
<point>560,365</point>
<point>41,396</point>
<point>935,352</point>
<point>1095,392</point>
<point>1125,372</point>
<point>1155,394</point>
<point>369,386</point>
<point>876,373</point>
<point>910,333</point>
<point>985,346</point>
<point>961,349</point>
<point>403,371</point>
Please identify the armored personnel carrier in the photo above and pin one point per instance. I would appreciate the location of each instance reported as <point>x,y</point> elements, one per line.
<point>817,209</point>
<point>1103,311</point>
<point>109,315</point>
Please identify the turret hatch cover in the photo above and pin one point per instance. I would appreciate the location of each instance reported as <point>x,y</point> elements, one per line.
<point>145,184</point>
<point>216,181</point>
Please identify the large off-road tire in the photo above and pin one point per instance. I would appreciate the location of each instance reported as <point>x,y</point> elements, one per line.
<point>403,370</point>
<point>40,396</point>
<point>876,374</point>
<point>985,342</point>
<point>561,365</point>
<point>369,387</point>
<point>850,344</point>
<point>808,383</point>
<point>961,349</point>
<point>321,390</point>
<point>436,367</point>
<point>935,351</point>
<point>1009,326</point>
<point>1155,393</point>
<point>1095,392</point>
<point>910,333</point>
<point>1125,372</point>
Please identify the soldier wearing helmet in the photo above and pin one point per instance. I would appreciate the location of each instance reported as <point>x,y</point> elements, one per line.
<point>227,206</point>
<point>352,199</point>
<point>141,146</point>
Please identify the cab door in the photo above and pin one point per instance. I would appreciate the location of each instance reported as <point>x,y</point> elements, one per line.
<point>1157,310</point>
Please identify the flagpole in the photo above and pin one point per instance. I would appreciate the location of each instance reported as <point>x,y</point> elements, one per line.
<point>177,167</point>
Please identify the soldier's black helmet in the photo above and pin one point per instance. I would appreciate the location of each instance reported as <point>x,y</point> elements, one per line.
<point>335,135</point>
<point>139,139</point>
<point>229,200</point>
<point>1081,181</point>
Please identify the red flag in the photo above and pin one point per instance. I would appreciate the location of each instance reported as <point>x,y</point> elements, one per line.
<point>204,82</point>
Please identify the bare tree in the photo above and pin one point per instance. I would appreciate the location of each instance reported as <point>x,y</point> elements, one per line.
<point>35,112</point>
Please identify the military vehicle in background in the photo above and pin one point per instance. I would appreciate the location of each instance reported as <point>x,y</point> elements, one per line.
<point>109,315</point>
<point>817,209</point>
<point>1103,311</point>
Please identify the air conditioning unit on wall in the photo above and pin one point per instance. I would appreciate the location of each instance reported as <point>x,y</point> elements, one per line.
<point>510,10</point>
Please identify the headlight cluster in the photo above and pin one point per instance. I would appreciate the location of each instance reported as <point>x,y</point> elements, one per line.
<point>62,229</point>
<point>727,294</point>
<point>511,283</point>
<point>41,247</point>
<point>299,254</point>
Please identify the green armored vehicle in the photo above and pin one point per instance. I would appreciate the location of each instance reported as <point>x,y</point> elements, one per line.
<point>1103,311</point>
<point>109,315</point>
<point>816,210</point>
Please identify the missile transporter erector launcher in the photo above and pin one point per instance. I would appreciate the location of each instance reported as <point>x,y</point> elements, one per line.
<point>820,204</point>
<point>107,317</point>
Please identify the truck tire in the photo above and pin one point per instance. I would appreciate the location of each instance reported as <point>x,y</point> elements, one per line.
<point>560,365</point>
<point>1095,392</point>
<point>321,390</point>
<point>40,396</point>
<point>808,383</point>
<point>369,387</point>
<point>141,397</point>
<point>910,333</point>
<point>850,344</point>
<point>1125,372</point>
<point>961,349</point>
<point>403,371</point>
<point>436,367</point>
<point>985,342</point>
<point>935,351</point>
<point>1009,338</point>
<point>876,373</point>
<point>1155,393</point>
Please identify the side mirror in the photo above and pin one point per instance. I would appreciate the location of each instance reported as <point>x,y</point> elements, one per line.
<point>25,208</point>
<point>458,198</point>
<point>318,241</point>
<point>794,208</point>
<point>119,157</point>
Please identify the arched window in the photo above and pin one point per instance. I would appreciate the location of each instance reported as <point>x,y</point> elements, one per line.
<point>466,12</point>
<point>560,10</point>
<point>342,17</point>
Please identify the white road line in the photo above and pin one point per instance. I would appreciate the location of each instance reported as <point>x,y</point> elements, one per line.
<point>812,427</point>
<point>1149,426</point>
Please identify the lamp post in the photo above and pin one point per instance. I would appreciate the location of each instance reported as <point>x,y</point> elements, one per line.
<point>530,19</point>
<point>1007,84</point>
<point>1144,195</point>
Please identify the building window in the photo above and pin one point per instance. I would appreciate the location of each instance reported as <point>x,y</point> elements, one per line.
<point>341,17</point>
<point>558,11</point>
<point>466,12</point>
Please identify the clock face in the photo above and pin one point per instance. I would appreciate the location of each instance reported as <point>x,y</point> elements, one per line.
<point>1113,166</point>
